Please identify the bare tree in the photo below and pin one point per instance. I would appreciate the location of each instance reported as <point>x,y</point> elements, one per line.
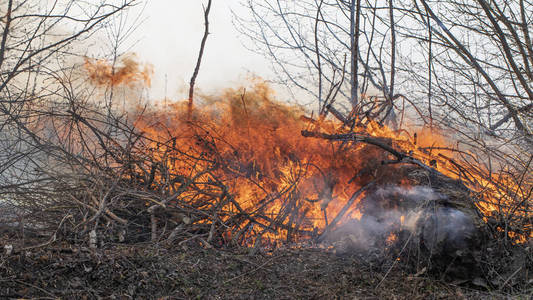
<point>479,79</point>
<point>310,41</point>
<point>481,70</point>
<point>478,54</point>
<point>200,55</point>
<point>40,42</point>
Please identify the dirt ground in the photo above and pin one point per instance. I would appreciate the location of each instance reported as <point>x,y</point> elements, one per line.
<point>144,271</point>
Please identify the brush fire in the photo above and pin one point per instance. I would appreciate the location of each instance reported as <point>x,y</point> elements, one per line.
<point>241,171</point>
<point>245,169</point>
<point>406,173</point>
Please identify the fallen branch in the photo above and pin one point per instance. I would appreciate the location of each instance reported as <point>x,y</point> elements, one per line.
<point>376,141</point>
<point>380,142</point>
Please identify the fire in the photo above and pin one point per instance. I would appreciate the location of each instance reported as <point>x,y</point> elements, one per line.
<point>127,71</point>
<point>289,186</point>
<point>391,238</point>
<point>265,161</point>
<point>498,191</point>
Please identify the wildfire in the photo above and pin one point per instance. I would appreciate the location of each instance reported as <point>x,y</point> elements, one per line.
<point>289,185</point>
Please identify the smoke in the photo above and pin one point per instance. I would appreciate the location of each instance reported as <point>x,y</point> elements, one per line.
<point>415,211</point>
<point>447,230</point>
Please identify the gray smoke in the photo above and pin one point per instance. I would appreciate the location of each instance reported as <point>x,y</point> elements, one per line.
<point>413,210</point>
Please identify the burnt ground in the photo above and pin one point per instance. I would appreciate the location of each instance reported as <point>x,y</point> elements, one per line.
<point>145,271</point>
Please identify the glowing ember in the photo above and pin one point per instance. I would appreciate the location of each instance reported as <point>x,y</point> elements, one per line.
<point>391,238</point>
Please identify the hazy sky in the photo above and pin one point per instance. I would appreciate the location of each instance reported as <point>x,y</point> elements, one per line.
<point>170,40</point>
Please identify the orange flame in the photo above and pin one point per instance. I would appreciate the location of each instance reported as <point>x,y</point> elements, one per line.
<point>265,161</point>
<point>127,71</point>
<point>265,157</point>
<point>499,192</point>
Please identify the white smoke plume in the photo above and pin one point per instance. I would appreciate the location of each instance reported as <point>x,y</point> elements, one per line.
<point>414,210</point>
